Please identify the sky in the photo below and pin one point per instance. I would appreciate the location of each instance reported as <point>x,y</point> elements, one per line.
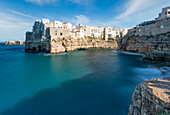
<point>18,16</point>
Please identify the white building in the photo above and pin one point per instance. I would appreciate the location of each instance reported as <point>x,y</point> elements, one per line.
<point>164,14</point>
<point>80,31</point>
<point>160,25</point>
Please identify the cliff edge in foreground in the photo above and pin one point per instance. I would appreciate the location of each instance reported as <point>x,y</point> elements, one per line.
<point>151,98</point>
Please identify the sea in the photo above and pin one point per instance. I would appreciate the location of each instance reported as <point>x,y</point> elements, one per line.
<point>87,82</point>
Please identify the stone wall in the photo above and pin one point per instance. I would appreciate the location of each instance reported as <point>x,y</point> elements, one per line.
<point>38,46</point>
<point>151,98</point>
<point>57,32</point>
<point>156,48</point>
<point>15,43</point>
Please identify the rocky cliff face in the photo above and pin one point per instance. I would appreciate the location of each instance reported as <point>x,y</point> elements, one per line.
<point>61,45</point>
<point>151,98</point>
<point>156,48</point>
<point>71,44</point>
<point>15,43</point>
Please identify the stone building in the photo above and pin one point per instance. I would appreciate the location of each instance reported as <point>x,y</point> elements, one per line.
<point>158,26</point>
<point>164,14</point>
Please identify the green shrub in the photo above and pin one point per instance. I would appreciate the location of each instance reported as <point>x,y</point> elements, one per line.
<point>91,37</point>
<point>161,112</point>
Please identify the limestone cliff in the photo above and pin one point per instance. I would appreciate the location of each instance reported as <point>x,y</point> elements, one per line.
<point>61,45</point>
<point>156,48</point>
<point>151,98</point>
<point>15,43</point>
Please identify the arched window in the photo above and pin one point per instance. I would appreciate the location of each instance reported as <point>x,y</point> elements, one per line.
<point>61,34</point>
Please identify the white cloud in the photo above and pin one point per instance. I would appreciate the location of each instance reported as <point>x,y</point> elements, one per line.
<point>81,2</point>
<point>41,2</point>
<point>13,27</point>
<point>133,6</point>
<point>137,11</point>
<point>21,14</point>
<point>81,19</point>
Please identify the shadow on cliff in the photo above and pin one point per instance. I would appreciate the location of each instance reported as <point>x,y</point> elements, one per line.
<point>160,84</point>
<point>77,97</point>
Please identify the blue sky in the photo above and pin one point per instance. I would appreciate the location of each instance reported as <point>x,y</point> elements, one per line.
<point>18,16</point>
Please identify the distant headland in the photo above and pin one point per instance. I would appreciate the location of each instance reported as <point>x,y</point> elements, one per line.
<point>15,43</point>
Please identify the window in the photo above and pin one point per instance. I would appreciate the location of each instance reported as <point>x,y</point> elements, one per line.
<point>165,13</point>
<point>162,26</point>
<point>55,33</point>
<point>168,12</point>
<point>61,34</point>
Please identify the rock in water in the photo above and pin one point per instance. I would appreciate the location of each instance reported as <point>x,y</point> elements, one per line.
<point>15,43</point>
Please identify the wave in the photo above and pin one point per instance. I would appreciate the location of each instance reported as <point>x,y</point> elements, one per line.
<point>47,54</point>
<point>128,53</point>
<point>152,72</point>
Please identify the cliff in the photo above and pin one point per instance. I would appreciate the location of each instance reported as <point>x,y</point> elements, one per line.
<point>151,98</point>
<point>15,43</point>
<point>61,45</point>
<point>156,48</point>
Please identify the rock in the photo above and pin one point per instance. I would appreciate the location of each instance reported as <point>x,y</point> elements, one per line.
<point>151,98</point>
<point>15,43</point>
<point>157,56</point>
<point>156,48</point>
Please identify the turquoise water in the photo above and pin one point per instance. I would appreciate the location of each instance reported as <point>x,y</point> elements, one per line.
<point>93,82</point>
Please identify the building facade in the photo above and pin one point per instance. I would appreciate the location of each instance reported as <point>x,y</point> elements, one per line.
<point>164,14</point>
<point>158,26</point>
<point>81,31</point>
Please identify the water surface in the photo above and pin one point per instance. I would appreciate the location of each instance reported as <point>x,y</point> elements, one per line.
<point>92,82</point>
